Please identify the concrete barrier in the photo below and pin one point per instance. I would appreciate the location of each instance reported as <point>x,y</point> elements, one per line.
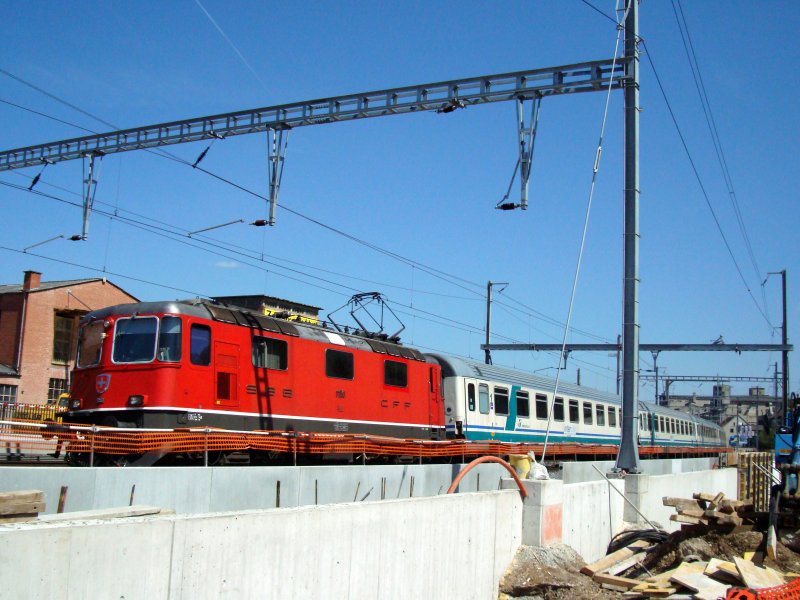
<point>453,546</point>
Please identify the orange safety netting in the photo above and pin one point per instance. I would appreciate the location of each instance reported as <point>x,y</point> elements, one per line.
<point>788,591</point>
<point>35,435</point>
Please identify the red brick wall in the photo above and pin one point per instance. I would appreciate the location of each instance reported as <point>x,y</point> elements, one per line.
<point>37,366</point>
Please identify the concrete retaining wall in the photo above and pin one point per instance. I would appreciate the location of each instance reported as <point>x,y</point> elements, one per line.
<point>454,546</point>
<point>191,490</point>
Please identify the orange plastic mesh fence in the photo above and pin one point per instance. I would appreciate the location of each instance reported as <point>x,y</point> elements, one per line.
<point>35,435</point>
<point>789,591</point>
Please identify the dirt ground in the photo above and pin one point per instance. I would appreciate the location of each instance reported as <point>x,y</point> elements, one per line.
<point>553,572</point>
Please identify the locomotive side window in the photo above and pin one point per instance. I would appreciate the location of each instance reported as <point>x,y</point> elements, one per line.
<point>574,414</point>
<point>558,410</point>
<point>269,353</point>
<point>338,364</point>
<point>471,396</point>
<point>395,373</point>
<point>523,404</point>
<point>500,401</point>
<point>483,398</point>
<point>90,344</point>
<point>541,407</point>
<point>135,340</point>
<point>587,413</point>
<point>169,339</point>
<point>600,414</point>
<point>200,345</point>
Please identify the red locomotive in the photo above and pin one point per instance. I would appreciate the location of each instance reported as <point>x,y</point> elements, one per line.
<point>199,364</point>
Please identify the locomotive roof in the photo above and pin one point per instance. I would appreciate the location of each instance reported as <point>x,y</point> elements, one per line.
<point>464,367</point>
<point>208,310</point>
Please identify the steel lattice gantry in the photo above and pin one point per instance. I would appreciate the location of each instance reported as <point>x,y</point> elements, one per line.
<point>443,96</point>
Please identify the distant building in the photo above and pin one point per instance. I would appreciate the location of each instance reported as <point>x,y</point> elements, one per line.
<point>38,325</point>
<point>269,306</point>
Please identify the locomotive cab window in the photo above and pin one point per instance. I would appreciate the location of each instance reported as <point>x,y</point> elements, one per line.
<point>338,364</point>
<point>395,373</point>
<point>269,353</point>
<point>90,344</point>
<point>169,339</point>
<point>483,398</point>
<point>135,340</point>
<point>501,401</point>
<point>523,404</point>
<point>200,345</point>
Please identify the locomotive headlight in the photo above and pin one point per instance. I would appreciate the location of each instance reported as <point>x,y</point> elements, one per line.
<point>137,400</point>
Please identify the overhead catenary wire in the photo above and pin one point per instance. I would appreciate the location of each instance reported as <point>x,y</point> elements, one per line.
<point>595,170</point>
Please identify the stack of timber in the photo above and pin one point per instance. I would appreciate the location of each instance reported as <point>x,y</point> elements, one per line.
<point>629,572</point>
<point>714,511</point>
<point>21,506</point>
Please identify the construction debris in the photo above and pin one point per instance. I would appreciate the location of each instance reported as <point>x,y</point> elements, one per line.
<point>720,548</point>
<point>21,506</point>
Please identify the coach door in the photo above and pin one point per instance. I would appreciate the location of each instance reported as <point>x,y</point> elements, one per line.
<point>226,372</point>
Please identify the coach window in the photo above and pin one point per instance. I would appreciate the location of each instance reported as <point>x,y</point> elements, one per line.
<point>612,416</point>
<point>587,413</point>
<point>574,413</point>
<point>523,404</point>
<point>338,364</point>
<point>501,401</point>
<point>135,340</point>
<point>200,345</point>
<point>395,373</point>
<point>541,407</point>
<point>270,353</point>
<point>169,339</point>
<point>558,409</point>
<point>471,396</point>
<point>483,398</point>
<point>600,413</point>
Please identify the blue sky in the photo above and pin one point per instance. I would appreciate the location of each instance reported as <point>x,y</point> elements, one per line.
<point>423,186</point>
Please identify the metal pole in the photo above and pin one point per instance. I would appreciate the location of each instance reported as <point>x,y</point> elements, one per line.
<point>488,353</point>
<point>91,451</point>
<point>785,341</point>
<point>628,457</point>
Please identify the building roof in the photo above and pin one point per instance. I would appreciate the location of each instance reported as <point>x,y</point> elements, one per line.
<point>16,288</point>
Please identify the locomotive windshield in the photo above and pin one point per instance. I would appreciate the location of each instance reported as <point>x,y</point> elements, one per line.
<point>90,344</point>
<point>135,340</point>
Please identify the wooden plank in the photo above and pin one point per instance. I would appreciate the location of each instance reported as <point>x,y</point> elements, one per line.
<point>723,570</point>
<point>691,575</point>
<point>9,508</point>
<point>755,577</point>
<point>772,546</point>
<point>717,499</point>
<point>21,496</point>
<point>679,518</point>
<point>698,513</point>
<point>703,496</point>
<point>19,518</point>
<point>611,559</point>
<point>626,564</point>
<point>723,519</point>
<point>623,582</point>
<point>104,513</point>
<point>682,503</point>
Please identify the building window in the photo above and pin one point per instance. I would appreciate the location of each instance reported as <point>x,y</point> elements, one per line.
<point>269,353</point>
<point>62,339</point>
<point>501,401</point>
<point>523,404</point>
<point>339,365</point>
<point>8,393</point>
<point>55,388</point>
<point>395,373</point>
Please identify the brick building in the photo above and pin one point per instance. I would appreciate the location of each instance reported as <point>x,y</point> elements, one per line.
<point>38,325</point>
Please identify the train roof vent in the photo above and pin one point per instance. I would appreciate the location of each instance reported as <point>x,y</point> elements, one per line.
<point>267,324</point>
<point>287,328</point>
<point>221,314</point>
<point>377,346</point>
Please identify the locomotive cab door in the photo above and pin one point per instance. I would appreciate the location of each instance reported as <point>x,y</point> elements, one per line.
<point>226,374</point>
